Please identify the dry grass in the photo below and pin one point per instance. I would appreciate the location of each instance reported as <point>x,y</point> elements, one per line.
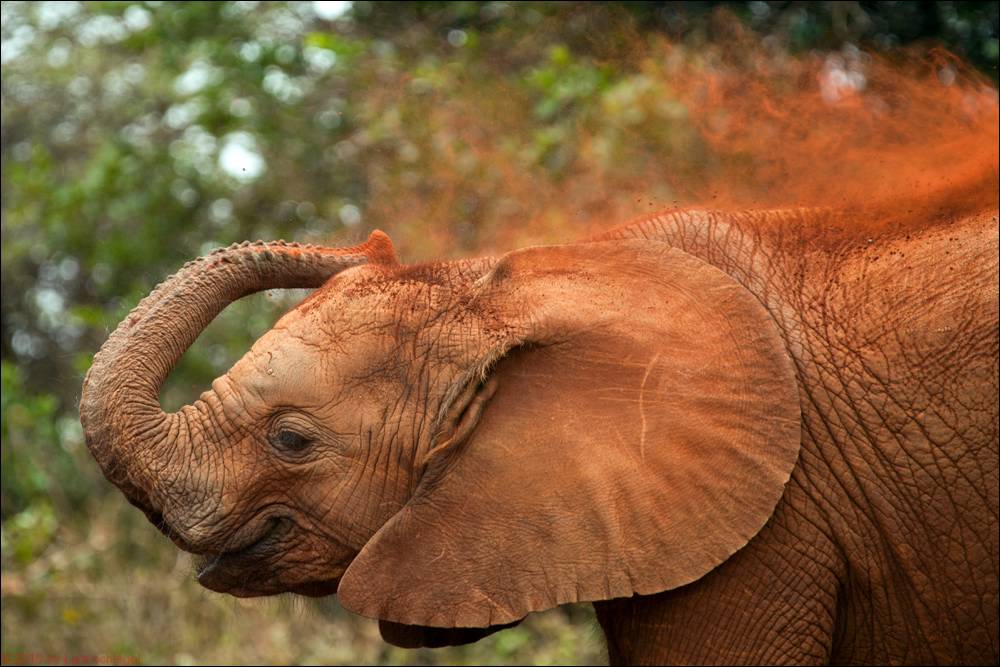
<point>116,588</point>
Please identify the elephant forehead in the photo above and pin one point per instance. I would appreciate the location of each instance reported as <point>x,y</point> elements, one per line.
<point>279,364</point>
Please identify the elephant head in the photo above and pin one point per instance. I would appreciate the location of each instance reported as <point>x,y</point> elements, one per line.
<point>456,445</point>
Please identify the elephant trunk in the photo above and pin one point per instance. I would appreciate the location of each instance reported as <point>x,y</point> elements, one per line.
<point>125,428</point>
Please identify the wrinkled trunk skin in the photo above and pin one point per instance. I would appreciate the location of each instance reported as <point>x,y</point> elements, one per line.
<point>883,548</point>
<point>147,453</point>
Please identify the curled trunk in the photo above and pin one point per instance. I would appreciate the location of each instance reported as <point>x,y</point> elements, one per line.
<point>124,425</point>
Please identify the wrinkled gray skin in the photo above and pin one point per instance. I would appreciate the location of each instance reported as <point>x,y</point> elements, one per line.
<point>883,547</point>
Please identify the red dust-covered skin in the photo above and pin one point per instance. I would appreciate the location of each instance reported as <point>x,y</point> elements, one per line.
<point>763,435</point>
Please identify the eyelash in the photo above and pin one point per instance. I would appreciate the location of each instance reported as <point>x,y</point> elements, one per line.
<point>295,435</point>
<point>290,435</point>
<point>289,440</point>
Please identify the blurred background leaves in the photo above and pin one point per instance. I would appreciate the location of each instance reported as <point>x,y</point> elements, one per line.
<point>137,135</point>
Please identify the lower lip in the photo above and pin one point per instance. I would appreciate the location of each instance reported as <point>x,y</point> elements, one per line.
<point>249,550</point>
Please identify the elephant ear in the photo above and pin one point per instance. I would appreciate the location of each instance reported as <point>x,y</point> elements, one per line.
<point>645,424</point>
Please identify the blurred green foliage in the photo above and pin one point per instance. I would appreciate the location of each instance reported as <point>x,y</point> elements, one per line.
<point>137,135</point>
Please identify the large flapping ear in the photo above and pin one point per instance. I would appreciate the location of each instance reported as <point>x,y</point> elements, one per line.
<point>645,424</point>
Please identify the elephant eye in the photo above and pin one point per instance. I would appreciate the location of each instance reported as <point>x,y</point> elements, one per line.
<point>290,440</point>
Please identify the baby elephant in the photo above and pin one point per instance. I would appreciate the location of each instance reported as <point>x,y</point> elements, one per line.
<point>742,438</point>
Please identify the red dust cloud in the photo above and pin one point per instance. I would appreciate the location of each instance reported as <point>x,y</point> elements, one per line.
<point>892,141</point>
<point>880,142</point>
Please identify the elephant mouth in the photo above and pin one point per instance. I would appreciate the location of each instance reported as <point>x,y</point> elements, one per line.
<point>208,557</point>
<point>217,571</point>
<point>246,571</point>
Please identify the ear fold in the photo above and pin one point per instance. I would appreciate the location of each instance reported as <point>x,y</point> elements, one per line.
<point>645,424</point>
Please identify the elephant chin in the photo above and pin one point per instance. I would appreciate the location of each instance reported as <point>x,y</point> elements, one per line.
<point>317,589</point>
<point>250,581</point>
<point>257,583</point>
